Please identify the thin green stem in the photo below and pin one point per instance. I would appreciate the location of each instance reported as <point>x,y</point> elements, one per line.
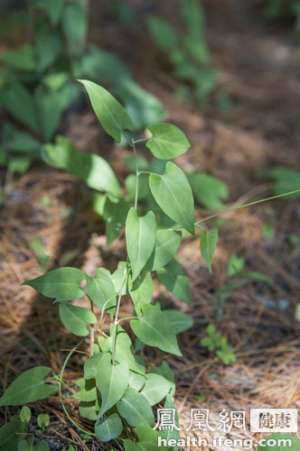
<point>92,333</point>
<point>116,319</point>
<point>60,383</point>
<point>248,204</point>
<point>141,140</point>
<point>137,173</point>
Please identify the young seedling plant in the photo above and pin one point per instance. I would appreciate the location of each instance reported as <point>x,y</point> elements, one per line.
<point>116,393</point>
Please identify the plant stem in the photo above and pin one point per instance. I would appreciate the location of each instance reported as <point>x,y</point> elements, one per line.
<point>137,174</point>
<point>116,319</point>
<point>248,204</point>
<point>92,333</point>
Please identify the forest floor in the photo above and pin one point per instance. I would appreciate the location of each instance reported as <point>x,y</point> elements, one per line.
<point>259,66</point>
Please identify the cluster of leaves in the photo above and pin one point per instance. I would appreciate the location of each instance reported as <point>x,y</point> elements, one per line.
<point>30,386</point>
<point>37,81</point>
<point>35,84</point>
<point>116,392</point>
<point>275,9</point>
<point>215,342</point>
<point>188,52</point>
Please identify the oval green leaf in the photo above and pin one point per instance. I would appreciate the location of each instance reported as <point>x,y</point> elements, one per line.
<point>76,319</point>
<point>167,244</point>
<point>140,239</point>
<point>28,387</point>
<point>109,429</point>
<point>156,388</point>
<point>174,278</point>
<point>62,284</point>
<point>112,382</point>
<point>135,409</point>
<point>167,141</point>
<point>153,329</point>
<point>172,192</point>
<point>101,290</point>
<point>110,113</point>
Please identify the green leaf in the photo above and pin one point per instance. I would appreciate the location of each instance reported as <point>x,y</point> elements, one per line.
<point>18,165</point>
<point>9,434</point>
<point>135,408</point>
<point>123,352</point>
<point>101,289</point>
<point>235,265</point>
<point>94,170</point>
<point>48,47</point>
<point>22,143</point>
<point>25,414</point>
<point>156,388</point>
<point>208,190</point>
<point>87,391</point>
<point>153,329</point>
<point>54,9</point>
<point>165,370</point>
<point>208,244</point>
<point>76,319</point>
<point>114,214</point>
<point>28,387</point>
<point>43,420</point>
<point>172,433</point>
<point>285,180</point>
<point>90,411</point>
<point>173,194</point>
<point>258,276</point>
<point>22,58</point>
<point>112,382</point>
<point>118,278</point>
<point>111,115</point>
<point>162,33</point>
<point>143,108</point>
<point>178,321</point>
<point>136,381</point>
<point>42,446</point>
<point>140,239</point>
<point>167,141</point>
<point>148,440</point>
<point>51,105</point>
<point>176,281</point>
<point>26,445</point>
<point>74,24</point>
<point>142,295</point>
<point>62,284</point>
<point>285,442</point>
<point>18,101</point>
<point>167,244</point>
<point>109,428</point>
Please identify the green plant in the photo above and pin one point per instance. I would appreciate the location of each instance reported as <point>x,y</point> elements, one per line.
<point>116,394</point>
<point>43,420</point>
<point>283,8</point>
<point>215,342</point>
<point>28,387</point>
<point>37,81</point>
<point>188,52</point>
